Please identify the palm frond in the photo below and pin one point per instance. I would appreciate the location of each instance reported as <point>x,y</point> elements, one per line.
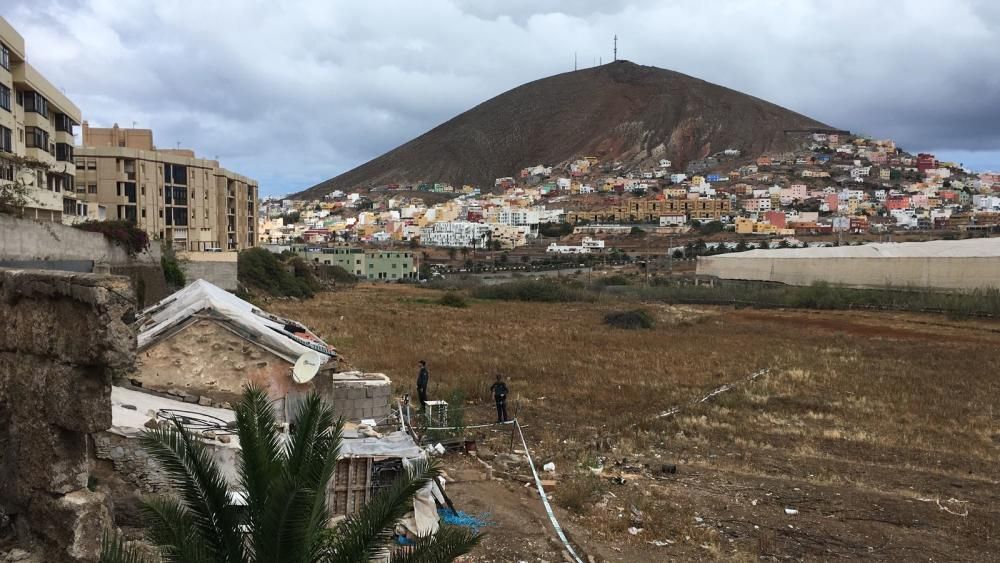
<point>195,476</point>
<point>291,522</point>
<point>171,527</point>
<point>261,454</point>
<point>114,549</point>
<point>445,546</point>
<point>362,535</point>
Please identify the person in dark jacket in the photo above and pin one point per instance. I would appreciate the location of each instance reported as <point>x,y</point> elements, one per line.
<point>422,378</point>
<point>499,390</point>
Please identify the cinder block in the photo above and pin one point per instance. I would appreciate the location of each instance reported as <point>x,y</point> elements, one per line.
<point>369,391</point>
<point>356,393</point>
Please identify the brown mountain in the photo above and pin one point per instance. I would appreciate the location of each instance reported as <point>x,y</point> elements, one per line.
<point>618,111</point>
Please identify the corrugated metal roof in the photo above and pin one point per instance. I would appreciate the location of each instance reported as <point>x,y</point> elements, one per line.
<point>969,248</point>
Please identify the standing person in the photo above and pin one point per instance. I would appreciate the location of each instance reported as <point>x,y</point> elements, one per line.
<point>500,396</point>
<point>422,378</point>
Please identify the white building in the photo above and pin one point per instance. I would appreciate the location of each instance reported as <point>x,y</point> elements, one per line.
<point>456,234</point>
<point>586,246</point>
<point>673,220</point>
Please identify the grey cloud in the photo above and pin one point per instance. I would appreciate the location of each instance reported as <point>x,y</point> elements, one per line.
<point>294,93</point>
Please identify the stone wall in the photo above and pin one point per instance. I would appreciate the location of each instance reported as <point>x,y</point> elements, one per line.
<point>64,336</point>
<point>40,245</point>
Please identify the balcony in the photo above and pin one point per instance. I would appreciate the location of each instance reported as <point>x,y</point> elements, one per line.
<point>40,155</point>
<point>32,119</point>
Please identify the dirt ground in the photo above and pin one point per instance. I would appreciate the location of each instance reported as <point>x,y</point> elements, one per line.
<point>872,436</point>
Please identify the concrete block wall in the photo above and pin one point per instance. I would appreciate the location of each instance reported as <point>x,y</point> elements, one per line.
<point>355,400</point>
<point>221,273</point>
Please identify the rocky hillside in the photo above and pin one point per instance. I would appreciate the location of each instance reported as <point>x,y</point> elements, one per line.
<point>618,111</point>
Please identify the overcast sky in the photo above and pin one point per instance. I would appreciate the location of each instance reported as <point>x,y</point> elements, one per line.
<point>295,93</point>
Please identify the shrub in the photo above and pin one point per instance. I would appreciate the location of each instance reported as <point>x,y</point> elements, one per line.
<point>123,233</point>
<point>555,230</point>
<point>532,290</point>
<point>453,299</point>
<point>260,269</point>
<point>636,231</point>
<point>579,493</point>
<point>172,272</point>
<point>629,320</point>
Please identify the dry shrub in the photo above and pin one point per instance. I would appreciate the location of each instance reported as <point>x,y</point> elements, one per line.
<point>578,493</point>
<point>629,320</point>
<point>453,299</point>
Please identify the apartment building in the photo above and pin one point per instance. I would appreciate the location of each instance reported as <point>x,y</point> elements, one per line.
<point>456,234</point>
<point>650,210</point>
<point>36,135</point>
<point>369,264</point>
<point>173,195</point>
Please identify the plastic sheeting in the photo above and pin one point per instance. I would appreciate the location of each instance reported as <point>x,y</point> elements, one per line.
<point>202,295</point>
<point>395,444</point>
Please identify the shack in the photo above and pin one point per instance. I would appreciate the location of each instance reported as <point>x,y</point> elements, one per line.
<point>368,462</point>
<point>202,344</point>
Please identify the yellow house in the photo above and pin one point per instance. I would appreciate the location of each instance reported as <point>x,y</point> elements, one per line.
<point>744,226</point>
<point>764,229</point>
<point>697,180</point>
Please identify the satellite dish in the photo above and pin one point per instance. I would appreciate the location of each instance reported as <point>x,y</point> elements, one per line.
<point>26,177</point>
<point>306,366</point>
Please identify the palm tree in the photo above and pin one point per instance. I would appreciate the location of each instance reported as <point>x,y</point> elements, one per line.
<point>284,480</point>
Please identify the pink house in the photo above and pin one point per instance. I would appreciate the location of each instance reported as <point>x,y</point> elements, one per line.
<point>832,201</point>
<point>776,218</point>
<point>898,202</point>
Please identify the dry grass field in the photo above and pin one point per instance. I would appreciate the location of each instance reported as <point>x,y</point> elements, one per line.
<point>879,432</point>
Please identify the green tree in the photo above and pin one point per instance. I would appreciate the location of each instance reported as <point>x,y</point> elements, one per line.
<point>452,252</point>
<point>284,482</point>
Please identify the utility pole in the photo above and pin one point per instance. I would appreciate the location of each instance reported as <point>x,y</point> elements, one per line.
<point>616,46</point>
<point>574,61</point>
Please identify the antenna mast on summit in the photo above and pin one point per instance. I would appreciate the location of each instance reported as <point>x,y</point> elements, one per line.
<point>616,46</point>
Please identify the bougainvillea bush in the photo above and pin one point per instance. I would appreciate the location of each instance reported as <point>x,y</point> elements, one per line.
<point>123,233</point>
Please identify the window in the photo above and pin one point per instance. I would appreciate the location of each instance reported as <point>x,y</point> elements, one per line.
<point>64,152</point>
<point>92,189</point>
<point>7,172</point>
<point>4,97</point>
<point>180,217</point>
<point>91,165</point>
<point>36,138</point>
<point>4,56</point>
<point>33,101</point>
<point>168,194</point>
<point>64,123</point>
<point>5,140</point>
<point>175,174</point>
<point>180,196</point>
<point>129,188</point>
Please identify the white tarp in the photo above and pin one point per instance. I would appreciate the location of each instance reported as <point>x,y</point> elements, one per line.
<point>394,444</point>
<point>202,295</point>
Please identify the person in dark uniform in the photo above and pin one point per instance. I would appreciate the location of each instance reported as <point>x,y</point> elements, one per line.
<point>422,378</point>
<point>499,390</point>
